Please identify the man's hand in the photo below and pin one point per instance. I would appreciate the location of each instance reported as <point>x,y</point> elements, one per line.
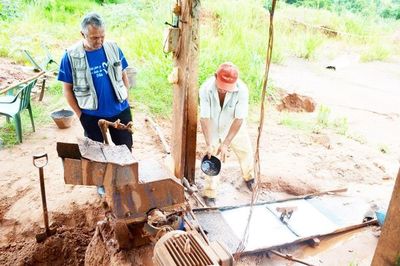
<point>222,151</point>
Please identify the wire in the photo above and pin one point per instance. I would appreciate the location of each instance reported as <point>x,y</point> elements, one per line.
<point>254,196</point>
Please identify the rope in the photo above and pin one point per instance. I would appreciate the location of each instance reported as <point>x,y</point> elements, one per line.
<point>254,196</point>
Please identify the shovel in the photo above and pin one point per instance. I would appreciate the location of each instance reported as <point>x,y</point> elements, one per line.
<point>40,161</point>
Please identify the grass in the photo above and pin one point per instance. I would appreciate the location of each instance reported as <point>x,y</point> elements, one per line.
<point>323,120</point>
<point>297,121</point>
<point>7,132</point>
<point>225,35</point>
<point>341,125</point>
<point>53,100</point>
<point>377,51</point>
<point>383,148</point>
<point>323,115</point>
<point>357,137</point>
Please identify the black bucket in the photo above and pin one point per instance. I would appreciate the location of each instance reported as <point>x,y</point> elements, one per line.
<point>211,166</point>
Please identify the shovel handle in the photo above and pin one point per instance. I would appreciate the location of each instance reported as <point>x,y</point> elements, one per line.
<point>40,160</point>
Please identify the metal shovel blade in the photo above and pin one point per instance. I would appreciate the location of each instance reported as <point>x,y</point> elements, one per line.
<point>43,236</point>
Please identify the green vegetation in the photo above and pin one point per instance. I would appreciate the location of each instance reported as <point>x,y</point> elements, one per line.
<point>383,148</point>
<point>323,116</point>
<point>138,28</point>
<point>302,121</point>
<point>297,121</point>
<point>341,125</point>
<point>225,34</point>
<point>385,9</point>
<point>376,51</point>
<point>357,137</point>
<point>41,115</point>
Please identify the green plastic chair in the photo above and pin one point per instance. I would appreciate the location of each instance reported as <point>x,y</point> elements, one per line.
<point>11,106</point>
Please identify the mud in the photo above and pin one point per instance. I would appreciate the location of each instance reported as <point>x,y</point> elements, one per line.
<point>103,250</point>
<point>295,188</point>
<point>294,102</point>
<point>66,247</point>
<point>292,163</point>
<point>6,203</point>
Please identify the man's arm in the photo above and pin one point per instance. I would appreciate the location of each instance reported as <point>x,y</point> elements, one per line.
<point>206,128</point>
<point>125,79</point>
<point>124,73</point>
<point>69,95</point>
<point>233,130</point>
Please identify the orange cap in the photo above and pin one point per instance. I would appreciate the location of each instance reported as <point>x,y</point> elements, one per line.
<point>226,77</point>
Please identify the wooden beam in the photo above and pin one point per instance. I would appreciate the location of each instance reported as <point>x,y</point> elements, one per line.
<point>12,86</point>
<point>388,249</point>
<point>186,92</point>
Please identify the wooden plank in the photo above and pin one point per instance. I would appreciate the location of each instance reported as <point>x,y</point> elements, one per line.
<point>68,150</point>
<point>72,171</point>
<point>388,249</point>
<point>12,86</point>
<point>159,133</point>
<point>185,92</point>
<point>93,172</point>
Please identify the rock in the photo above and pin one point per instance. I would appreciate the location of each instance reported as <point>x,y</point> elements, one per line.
<point>321,139</point>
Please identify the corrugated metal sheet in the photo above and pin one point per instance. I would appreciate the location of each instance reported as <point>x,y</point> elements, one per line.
<point>311,218</point>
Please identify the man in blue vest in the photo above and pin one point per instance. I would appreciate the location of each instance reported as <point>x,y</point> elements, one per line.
<point>95,82</point>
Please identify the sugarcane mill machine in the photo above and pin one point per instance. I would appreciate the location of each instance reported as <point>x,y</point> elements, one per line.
<point>144,201</point>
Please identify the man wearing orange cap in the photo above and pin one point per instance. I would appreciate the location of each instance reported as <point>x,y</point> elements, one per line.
<point>223,110</point>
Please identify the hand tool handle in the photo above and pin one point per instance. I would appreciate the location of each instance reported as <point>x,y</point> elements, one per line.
<point>40,160</point>
<point>44,203</point>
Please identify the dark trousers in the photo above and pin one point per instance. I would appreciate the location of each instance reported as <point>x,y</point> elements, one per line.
<point>119,137</point>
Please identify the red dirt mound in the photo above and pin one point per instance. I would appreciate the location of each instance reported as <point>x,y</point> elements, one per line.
<point>296,103</point>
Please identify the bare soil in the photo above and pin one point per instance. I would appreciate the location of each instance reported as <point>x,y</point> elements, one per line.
<point>10,73</point>
<point>293,162</point>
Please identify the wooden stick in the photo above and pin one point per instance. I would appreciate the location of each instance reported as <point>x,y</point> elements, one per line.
<point>191,192</point>
<point>307,196</point>
<point>333,191</point>
<point>353,227</point>
<point>42,90</point>
<point>200,228</point>
<point>12,86</point>
<point>159,133</point>
<point>290,257</point>
<point>104,124</point>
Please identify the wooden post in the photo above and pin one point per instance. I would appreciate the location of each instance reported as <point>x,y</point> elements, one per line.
<point>186,92</point>
<point>388,249</point>
<point>43,88</point>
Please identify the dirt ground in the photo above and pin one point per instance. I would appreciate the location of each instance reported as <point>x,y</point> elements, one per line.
<point>293,162</point>
<point>10,73</point>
